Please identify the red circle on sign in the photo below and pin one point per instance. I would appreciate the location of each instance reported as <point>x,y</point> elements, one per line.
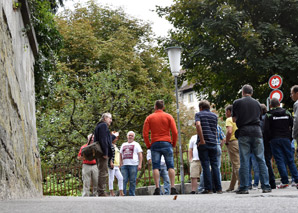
<point>276,94</point>
<point>275,81</point>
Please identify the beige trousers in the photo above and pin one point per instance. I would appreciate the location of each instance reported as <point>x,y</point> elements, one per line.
<point>233,150</point>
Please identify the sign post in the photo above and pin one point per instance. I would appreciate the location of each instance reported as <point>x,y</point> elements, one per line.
<point>275,82</point>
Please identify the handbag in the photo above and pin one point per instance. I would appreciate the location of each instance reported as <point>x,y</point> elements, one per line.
<point>92,151</point>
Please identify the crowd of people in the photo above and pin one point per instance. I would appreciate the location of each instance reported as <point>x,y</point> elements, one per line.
<point>253,136</point>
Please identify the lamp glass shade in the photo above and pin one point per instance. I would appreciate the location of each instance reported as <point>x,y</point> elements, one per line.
<point>174,54</point>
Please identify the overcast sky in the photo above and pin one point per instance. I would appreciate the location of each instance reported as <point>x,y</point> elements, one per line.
<point>141,9</point>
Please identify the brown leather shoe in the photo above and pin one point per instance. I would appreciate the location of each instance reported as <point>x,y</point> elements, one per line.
<point>103,195</point>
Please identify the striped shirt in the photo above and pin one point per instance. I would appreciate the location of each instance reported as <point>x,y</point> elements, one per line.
<point>209,125</point>
<point>220,135</point>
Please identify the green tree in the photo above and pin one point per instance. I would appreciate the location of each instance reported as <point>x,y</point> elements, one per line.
<point>107,64</point>
<point>230,43</point>
<point>49,43</point>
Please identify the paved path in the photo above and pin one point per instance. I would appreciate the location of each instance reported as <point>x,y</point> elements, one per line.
<point>280,200</point>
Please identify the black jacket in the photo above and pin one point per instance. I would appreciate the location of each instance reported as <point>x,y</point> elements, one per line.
<point>103,136</point>
<point>278,124</point>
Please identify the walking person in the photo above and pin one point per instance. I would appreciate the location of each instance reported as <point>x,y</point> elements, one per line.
<point>277,129</point>
<point>161,125</point>
<point>131,159</point>
<point>114,170</point>
<point>233,148</point>
<point>206,125</point>
<point>89,172</point>
<point>103,136</point>
<point>247,113</point>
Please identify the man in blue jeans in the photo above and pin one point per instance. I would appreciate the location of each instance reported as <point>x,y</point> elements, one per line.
<point>278,130</point>
<point>206,125</point>
<point>161,125</point>
<point>131,158</point>
<point>247,113</point>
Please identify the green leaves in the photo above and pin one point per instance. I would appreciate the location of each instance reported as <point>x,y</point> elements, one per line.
<point>230,43</point>
<point>107,64</point>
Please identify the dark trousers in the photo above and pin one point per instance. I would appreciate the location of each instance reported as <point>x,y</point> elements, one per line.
<point>208,156</point>
<point>268,157</point>
<point>102,165</point>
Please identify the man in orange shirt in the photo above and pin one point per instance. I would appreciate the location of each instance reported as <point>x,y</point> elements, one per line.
<point>160,124</point>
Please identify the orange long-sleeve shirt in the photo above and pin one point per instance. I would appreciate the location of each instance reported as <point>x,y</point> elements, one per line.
<point>160,124</point>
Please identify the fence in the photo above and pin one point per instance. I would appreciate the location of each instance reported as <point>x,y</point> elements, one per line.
<point>66,180</point>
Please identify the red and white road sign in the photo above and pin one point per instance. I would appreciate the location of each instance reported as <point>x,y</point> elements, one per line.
<point>276,94</point>
<point>275,81</point>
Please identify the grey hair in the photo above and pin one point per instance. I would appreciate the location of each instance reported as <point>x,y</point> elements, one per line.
<point>134,134</point>
<point>104,115</point>
<point>247,89</point>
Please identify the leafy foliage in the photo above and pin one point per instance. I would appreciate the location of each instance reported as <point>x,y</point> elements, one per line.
<point>49,43</point>
<point>229,43</point>
<point>107,64</point>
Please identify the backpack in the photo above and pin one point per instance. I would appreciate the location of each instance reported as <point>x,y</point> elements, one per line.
<point>92,151</point>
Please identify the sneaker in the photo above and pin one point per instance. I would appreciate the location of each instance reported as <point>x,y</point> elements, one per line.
<point>174,191</point>
<point>242,192</point>
<point>219,192</point>
<point>192,192</point>
<point>229,190</point>
<point>206,192</point>
<point>282,186</point>
<point>267,190</point>
<point>250,187</point>
<point>254,187</point>
<point>156,191</point>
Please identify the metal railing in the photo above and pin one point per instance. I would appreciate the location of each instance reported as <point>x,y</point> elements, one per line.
<point>66,180</point>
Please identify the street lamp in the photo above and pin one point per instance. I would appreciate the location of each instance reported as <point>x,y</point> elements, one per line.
<point>174,54</point>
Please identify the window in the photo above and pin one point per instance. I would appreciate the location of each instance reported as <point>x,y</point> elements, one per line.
<point>190,97</point>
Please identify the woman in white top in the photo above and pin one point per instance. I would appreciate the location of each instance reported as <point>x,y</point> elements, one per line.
<point>114,164</point>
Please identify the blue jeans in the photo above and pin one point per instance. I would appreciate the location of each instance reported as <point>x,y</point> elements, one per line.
<point>201,186</point>
<point>160,148</point>
<point>283,155</point>
<point>219,159</point>
<point>253,164</point>
<point>208,155</point>
<point>253,145</point>
<point>165,177</point>
<point>129,172</point>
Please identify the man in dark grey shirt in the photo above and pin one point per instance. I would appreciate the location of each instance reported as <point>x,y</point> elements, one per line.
<point>247,114</point>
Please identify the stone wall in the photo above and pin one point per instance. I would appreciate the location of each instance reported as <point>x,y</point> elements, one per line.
<point>20,171</point>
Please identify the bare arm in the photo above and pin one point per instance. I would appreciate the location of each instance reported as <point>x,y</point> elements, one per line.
<point>190,156</point>
<point>200,133</point>
<point>140,154</point>
<point>229,134</point>
<point>121,162</point>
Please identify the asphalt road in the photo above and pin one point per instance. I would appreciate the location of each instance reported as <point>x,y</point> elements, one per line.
<point>280,200</point>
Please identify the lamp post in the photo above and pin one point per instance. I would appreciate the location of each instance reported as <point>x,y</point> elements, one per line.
<point>174,54</point>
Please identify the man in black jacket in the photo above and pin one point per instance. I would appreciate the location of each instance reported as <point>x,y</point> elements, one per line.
<point>103,136</point>
<point>278,130</point>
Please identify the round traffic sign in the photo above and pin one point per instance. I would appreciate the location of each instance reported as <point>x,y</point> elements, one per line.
<point>276,94</point>
<point>275,81</point>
